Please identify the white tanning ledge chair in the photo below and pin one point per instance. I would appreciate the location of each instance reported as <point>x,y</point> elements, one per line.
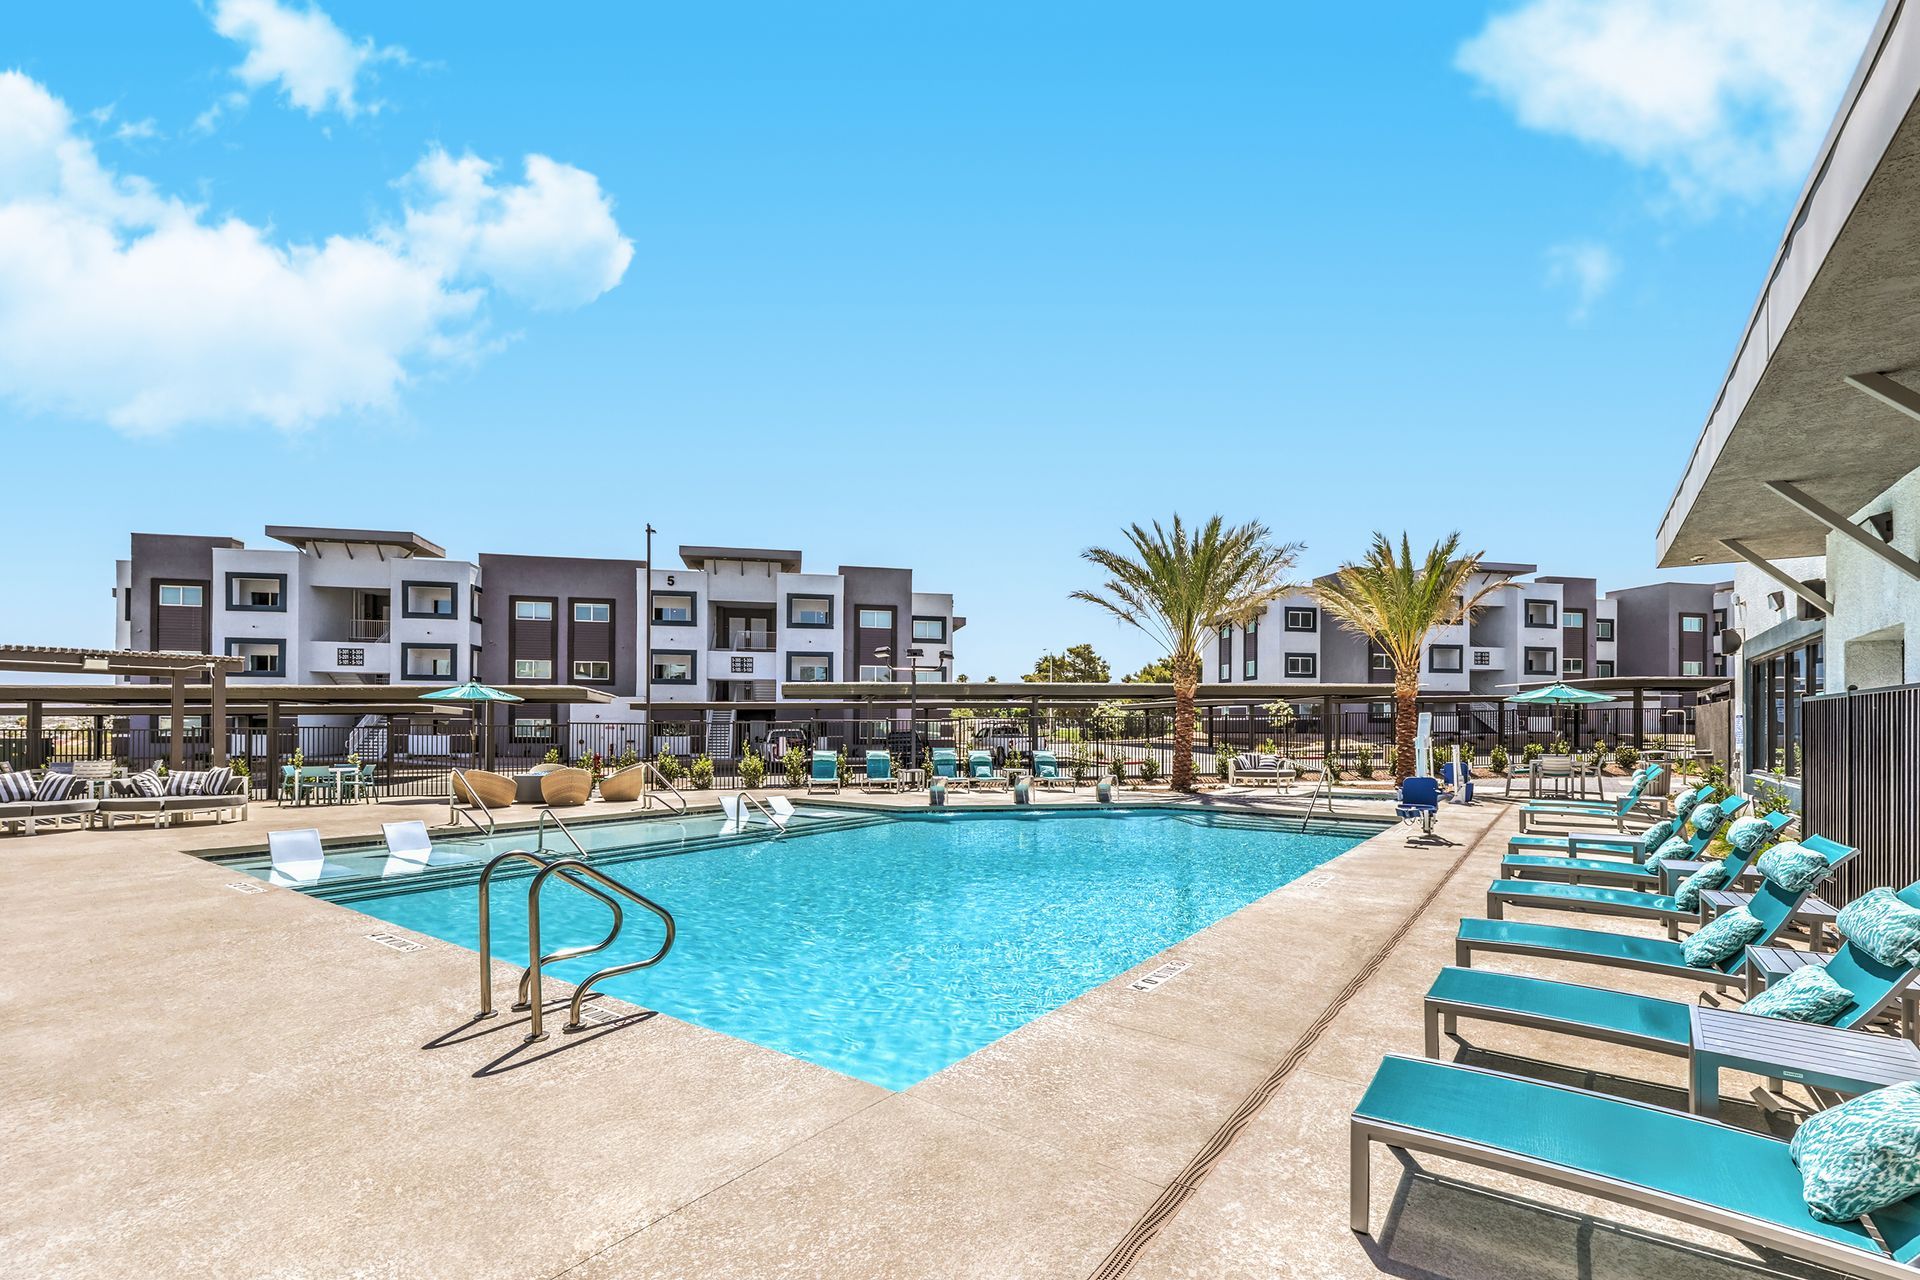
<point>297,859</point>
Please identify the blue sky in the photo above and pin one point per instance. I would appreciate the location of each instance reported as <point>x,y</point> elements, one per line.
<point>965,287</point>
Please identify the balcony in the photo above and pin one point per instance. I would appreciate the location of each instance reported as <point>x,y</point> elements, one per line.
<point>370,630</point>
<point>747,642</point>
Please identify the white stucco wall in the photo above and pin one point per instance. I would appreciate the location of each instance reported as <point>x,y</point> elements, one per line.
<point>1873,637</point>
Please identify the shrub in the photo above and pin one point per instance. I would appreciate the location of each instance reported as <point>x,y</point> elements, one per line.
<point>1771,799</point>
<point>1118,768</point>
<point>1149,770</point>
<point>241,766</point>
<point>1220,762</point>
<point>1497,759</point>
<point>552,756</point>
<point>1269,748</point>
<point>1530,752</point>
<point>840,766</point>
<point>1363,760</point>
<point>1331,767</point>
<point>1717,779</point>
<point>793,762</point>
<point>1080,768</point>
<point>670,767</point>
<point>1560,746</point>
<point>1627,757</point>
<point>627,759</point>
<point>702,772</point>
<point>753,771</point>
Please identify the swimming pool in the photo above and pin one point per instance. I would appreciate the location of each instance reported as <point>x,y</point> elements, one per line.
<point>885,946</point>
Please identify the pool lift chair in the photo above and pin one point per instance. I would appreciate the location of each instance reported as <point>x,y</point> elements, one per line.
<point>1419,805</point>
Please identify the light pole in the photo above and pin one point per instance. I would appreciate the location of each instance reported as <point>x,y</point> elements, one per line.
<point>646,658</point>
<point>913,670</point>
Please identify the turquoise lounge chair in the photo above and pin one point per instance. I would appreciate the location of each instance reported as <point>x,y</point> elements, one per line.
<point>981,775</point>
<point>1547,895</point>
<point>1629,845</point>
<point>1630,873</point>
<point>825,773</point>
<point>1047,771</point>
<point>1773,905</point>
<point>1641,1022</point>
<point>1694,1170</point>
<point>879,776</point>
<point>946,763</point>
<point>1562,811</point>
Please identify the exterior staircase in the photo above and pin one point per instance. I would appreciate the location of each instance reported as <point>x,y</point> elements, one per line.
<point>368,738</point>
<point>720,735</point>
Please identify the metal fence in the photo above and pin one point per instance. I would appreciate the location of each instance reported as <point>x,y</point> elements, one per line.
<point>1858,783</point>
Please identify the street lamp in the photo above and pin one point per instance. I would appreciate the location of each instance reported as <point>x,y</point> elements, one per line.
<point>913,669</point>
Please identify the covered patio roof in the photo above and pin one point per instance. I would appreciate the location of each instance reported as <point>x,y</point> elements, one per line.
<point>1820,410</point>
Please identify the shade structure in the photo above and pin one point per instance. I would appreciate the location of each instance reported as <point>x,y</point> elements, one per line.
<point>484,695</point>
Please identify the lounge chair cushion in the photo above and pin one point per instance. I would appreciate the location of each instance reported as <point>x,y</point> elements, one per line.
<point>1883,926</point>
<point>1726,937</point>
<point>1683,804</point>
<point>1658,834</point>
<point>1748,834</point>
<point>1705,819</point>
<point>55,786</point>
<point>1808,994</point>
<point>1793,866</point>
<point>1862,1155</point>
<point>1686,897</point>
<point>1675,847</point>
<point>17,787</point>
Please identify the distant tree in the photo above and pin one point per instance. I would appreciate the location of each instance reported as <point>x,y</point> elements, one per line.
<point>1159,671</point>
<point>1077,664</point>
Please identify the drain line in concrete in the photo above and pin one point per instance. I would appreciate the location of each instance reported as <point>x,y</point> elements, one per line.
<point>1174,1197</point>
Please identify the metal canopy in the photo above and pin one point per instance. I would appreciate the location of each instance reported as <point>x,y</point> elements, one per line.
<point>57,660</point>
<point>324,698</point>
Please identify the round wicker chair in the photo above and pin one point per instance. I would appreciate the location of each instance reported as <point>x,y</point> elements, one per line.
<point>477,786</point>
<point>624,785</point>
<point>566,787</point>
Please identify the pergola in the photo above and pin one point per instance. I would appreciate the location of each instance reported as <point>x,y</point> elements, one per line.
<point>174,668</point>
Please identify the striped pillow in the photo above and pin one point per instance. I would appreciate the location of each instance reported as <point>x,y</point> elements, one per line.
<point>147,784</point>
<point>16,787</point>
<point>55,786</point>
<point>214,782</point>
<point>184,782</point>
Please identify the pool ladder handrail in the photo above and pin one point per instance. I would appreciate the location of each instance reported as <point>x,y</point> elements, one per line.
<point>1313,797</point>
<point>454,813</point>
<point>567,869</point>
<point>486,926</point>
<point>779,827</point>
<point>653,771</point>
<point>540,834</point>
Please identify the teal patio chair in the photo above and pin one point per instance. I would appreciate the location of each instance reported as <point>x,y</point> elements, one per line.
<point>946,763</point>
<point>1048,773</point>
<point>1688,1168</point>
<point>879,775</point>
<point>981,775</point>
<point>1560,812</point>
<point>1618,863</point>
<point>1773,905</point>
<point>825,773</point>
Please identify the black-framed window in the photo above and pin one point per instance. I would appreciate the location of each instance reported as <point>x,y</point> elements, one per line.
<point>532,669</point>
<point>1447,659</point>
<point>262,657</point>
<point>180,595</point>
<point>676,608</point>
<point>429,600</point>
<point>428,662</point>
<point>1250,650</point>
<point>1573,619</point>
<point>1542,613</point>
<point>473,662</point>
<point>1226,654</point>
<point>1603,628</point>
<point>809,668</point>
<point>810,611</point>
<point>1571,666</point>
<point>532,609</point>
<point>1301,619</point>
<point>675,666</point>
<point>593,611</point>
<point>1603,667</point>
<point>1302,666</point>
<point>473,604</point>
<point>533,728</point>
<point>932,630</point>
<point>257,592</point>
<point>1778,684</point>
<point>1693,623</point>
<point>1541,662</point>
<point>874,618</point>
<point>592,671</point>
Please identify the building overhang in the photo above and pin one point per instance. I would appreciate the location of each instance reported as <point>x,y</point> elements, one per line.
<point>698,557</point>
<point>1813,396</point>
<point>313,538</point>
<point>317,698</point>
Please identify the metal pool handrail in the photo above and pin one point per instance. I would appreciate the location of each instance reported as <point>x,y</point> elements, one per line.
<point>541,832</point>
<point>566,868</point>
<point>779,827</point>
<point>1325,779</point>
<point>454,813</point>
<point>653,771</point>
<point>486,926</point>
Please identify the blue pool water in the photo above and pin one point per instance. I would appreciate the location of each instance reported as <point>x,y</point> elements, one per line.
<point>890,951</point>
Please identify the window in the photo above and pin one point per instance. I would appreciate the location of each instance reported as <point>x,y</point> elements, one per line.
<point>1226,653</point>
<point>181,596</point>
<point>930,629</point>
<point>876,619</point>
<point>593,672</point>
<point>192,728</point>
<point>1541,613</point>
<point>1603,667</point>
<point>1303,666</point>
<point>1382,661</point>
<point>809,611</point>
<point>1603,628</point>
<point>473,604</point>
<point>592,611</point>
<point>256,593</point>
<point>1380,712</point>
<point>809,668</point>
<point>533,729</point>
<point>1573,666</point>
<point>1574,619</point>
<point>533,611</point>
<point>932,675</point>
<point>876,673</point>
<point>1719,621</point>
<point>673,608</point>
<point>427,600</point>
<point>1542,662</point>
<point>1691,668</point>
<point>426,662</point>
<point>260,657</point>
<point>672,666</point>
<point>1303,619</point>
<point>1692,623</point>
<point>1446,658</point>
<point>533,668</point>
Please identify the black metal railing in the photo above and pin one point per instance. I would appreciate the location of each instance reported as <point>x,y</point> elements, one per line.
<point>1857,783</point>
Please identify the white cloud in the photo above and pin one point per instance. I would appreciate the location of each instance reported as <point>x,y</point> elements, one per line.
<point>316,64</point>
<point>123,304</point>
<point>1721,97</point>
<point>1585,267</point>
<point>136,130</point>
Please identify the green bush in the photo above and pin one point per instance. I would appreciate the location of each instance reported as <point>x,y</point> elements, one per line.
<point>670,767</point>
<point>552,756</point>
<point>1221,760</point>
<point>1497,759</point>
<point>753,771</point>
<point>1150,769</point>
<point>840,766</point>
<point>1559,746</point>
<point>1627,757</point>
<point>702,773</point>
<point>1363,760</point>
<point>1771,799</point>
<point>793,762</point>
<point>1530,752</point>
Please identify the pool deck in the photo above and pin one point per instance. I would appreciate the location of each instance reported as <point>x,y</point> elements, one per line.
<point>203,1081</point>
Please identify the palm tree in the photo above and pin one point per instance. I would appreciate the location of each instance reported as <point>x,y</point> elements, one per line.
<point>1394,603</point>
<point>1177,586</point>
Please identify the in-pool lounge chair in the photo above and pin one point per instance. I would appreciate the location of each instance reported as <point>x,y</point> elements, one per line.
<point>1691,1169</point>
<point>981,775</point>
<point>1637,904</point>
<point>409,848</point>
<point>1604,860</point>
<point>1557,815</point>
<point>296,856</point>
<point>1640,1022</point>
<point>1773,906</point>
<point>946,763</point>
<point>1047,772</point>
<point>880,775</point>
<point>824,775</point>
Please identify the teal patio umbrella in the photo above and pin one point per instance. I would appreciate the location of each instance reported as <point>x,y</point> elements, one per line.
<point>1561,695</point>
<point>482,695</point>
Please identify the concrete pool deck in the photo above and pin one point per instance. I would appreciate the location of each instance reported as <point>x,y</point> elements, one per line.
<point>203,1081</point>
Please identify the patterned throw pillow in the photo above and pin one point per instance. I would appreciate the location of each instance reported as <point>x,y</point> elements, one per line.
<point>185,782</point>
<point>147,784</point>
<point>1884,927</point>
<point>1793,866</point>
<point>1705,819</point>
<point>1683,805</point>
<point>1711,876</point>
<point>1673,848</point>
<point>1748,834</point>
<point>1808,994</point>
<point>214,782</point>
<point>1726,937</point>
<point>1657,834</point>
<point>55,787</point>
<point>1861,1155</point>
<point>17,787</point>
